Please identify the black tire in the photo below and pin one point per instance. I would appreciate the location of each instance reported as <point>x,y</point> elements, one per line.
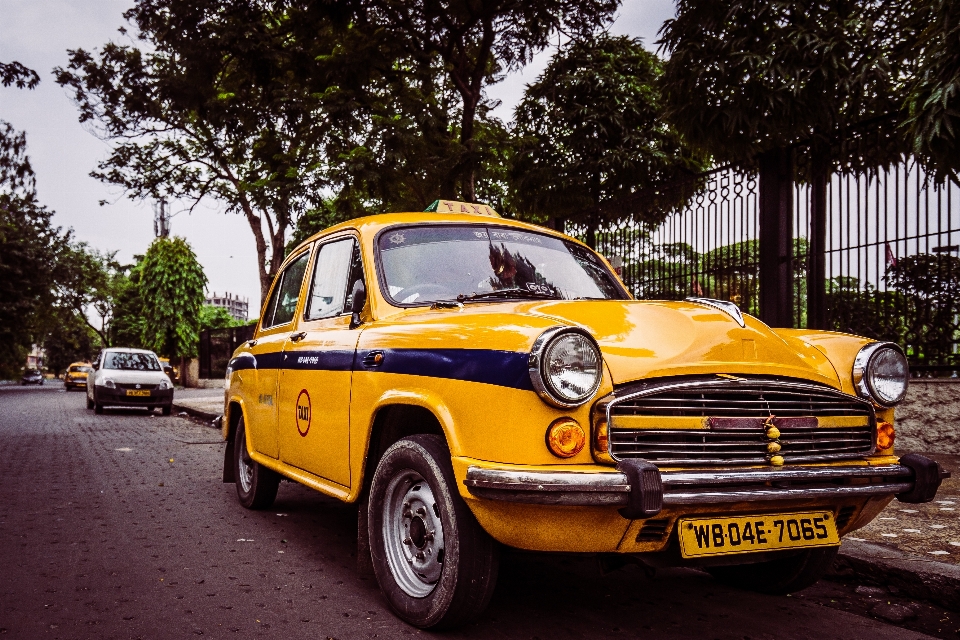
<point>97,407</point>
<point>166,409</point>
<point>780,576</point>
<point>466,563</point>
<point>89,403</point>
<point>256,485</point>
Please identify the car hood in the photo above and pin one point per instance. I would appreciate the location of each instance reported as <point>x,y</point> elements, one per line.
<point>638,338</point>
<point>124,376</point>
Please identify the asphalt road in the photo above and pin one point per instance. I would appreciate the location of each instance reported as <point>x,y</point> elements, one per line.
<point>117,526</point>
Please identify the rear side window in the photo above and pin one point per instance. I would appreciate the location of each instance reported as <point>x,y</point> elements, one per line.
<point>283,301</point>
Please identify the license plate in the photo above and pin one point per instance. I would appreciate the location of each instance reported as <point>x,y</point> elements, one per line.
<point>743,534</point>
<point>138,392</point>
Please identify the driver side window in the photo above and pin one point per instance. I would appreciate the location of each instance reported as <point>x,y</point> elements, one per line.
<point>336,268</point>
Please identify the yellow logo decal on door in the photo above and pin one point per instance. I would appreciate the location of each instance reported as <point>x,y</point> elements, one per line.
<point>303,412</point>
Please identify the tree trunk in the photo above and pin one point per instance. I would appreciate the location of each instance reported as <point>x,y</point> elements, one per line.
<point>468,187</point>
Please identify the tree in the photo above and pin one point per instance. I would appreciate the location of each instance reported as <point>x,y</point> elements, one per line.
<point>933,100</point>
<point>127,326</point>
<point>750,76</point>
<point>212,317</point>
<point>69,340</point>
<point>473,43</point>
<point>222,100</point>
<point>172,289</point>
<point>591,135</point>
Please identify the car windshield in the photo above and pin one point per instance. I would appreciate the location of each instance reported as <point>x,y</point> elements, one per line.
<point>79,369</point>
<point>463,262</point>
<point>131,361</point>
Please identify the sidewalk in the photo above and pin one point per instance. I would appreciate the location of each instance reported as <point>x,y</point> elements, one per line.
<point>912,547</point>
<point>205,404</point>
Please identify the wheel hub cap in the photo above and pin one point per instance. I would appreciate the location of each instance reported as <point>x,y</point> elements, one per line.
<point>413,534</point>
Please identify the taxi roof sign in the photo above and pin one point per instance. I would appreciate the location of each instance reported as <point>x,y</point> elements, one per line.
<point>453,206</point>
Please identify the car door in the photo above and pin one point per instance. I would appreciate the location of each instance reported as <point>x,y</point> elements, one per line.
<point>277,321</point>
<point>315,384</point>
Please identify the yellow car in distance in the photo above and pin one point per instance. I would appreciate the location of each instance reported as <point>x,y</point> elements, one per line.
<point>76,375</point>
<point>471,382</point>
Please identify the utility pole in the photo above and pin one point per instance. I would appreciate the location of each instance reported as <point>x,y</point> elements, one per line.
<point>161,219</point>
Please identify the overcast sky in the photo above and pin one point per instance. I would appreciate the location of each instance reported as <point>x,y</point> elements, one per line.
<point>38,33</point>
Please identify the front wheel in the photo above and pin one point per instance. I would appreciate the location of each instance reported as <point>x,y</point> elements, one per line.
<point>167,408</point>
<point>89,403</point>
<point>780,576</point>
<point>256,485</point>
<point>435,565</point>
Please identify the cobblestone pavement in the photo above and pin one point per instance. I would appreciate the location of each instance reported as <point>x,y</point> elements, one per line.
<point>931,530</point>
<point>118,526</point>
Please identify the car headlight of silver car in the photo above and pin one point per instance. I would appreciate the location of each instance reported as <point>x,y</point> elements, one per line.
<point>565,366</point>
<point>108,383</point>
<point>165,384</point>
<point>880,373</point>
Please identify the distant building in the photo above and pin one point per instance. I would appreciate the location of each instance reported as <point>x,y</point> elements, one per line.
<point>35,357</point>
<point>235,305</point>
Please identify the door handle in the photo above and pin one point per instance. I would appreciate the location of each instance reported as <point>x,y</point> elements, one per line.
<point>297,337</point>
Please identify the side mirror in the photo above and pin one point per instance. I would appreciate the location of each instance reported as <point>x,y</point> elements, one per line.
<point>168,371</point>
<point>358,298</point>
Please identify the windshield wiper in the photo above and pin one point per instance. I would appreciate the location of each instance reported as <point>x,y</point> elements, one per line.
<point>508,293</point>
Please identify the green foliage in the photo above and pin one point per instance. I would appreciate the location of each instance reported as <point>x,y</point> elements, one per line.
<point>212,317</point>
<point>30,265</point>
<point>127,327</point>
<point>171,287</point>
<point>590,134</point>
<point>933,100</point>
<point>70,340</point>
<point>931,285</point>
<point>465,46</point>
<point>749,76</point>
<point>223,100</point>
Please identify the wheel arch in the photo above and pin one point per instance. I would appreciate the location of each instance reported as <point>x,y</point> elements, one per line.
<point>230,422</point>
<point>394,421</point>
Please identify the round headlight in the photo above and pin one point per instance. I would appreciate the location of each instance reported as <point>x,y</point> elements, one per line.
<point>565,367</point>
<point>880,373</point>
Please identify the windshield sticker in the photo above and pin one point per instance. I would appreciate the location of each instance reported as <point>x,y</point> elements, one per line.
<point>397,238</point>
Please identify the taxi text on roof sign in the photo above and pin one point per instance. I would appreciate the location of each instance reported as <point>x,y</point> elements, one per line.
<point>453,206</point>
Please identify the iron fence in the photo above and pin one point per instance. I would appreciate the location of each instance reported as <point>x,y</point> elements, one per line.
<point>891,260</point>
<point>217,347</point>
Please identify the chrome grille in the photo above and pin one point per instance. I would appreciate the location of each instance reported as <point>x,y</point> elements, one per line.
<point>741,406</point>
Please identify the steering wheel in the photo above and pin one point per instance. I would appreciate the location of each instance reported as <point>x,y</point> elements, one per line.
<point>428,292</point>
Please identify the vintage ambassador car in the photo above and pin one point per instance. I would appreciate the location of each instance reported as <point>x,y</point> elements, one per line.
<point>471,381</point>
<point>76,375</point>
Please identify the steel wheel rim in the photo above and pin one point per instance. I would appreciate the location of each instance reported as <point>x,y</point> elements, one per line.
<point>413,534</point>
<point>245,472</point>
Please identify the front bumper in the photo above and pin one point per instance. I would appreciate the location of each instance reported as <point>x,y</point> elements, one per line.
<point>700,487</point>
<point>119,397</point>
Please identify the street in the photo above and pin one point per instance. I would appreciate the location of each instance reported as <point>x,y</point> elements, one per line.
<point>118,526</point>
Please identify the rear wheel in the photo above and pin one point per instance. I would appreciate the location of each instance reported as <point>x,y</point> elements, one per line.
<point>256,485</point>
<point>435,565</point>
<point>780,576</point>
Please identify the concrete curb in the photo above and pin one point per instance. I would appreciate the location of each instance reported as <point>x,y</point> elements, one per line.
<point>913,575</point>
<point>197,412</point>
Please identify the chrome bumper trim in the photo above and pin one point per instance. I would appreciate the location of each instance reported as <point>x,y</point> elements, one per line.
<point>689,487</point>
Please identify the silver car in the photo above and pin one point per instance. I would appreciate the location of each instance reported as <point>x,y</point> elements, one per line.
<point>124,377</point>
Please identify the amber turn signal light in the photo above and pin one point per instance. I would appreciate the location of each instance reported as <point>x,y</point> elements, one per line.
<point>885,435</point>
<point>565,438</point>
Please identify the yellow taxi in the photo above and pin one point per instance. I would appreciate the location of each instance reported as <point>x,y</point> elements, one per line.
<point>471,381</point>
<point>76,375</point>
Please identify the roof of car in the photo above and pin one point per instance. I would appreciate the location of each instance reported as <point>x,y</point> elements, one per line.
<point>129,350</point>
<point>371,225</point>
